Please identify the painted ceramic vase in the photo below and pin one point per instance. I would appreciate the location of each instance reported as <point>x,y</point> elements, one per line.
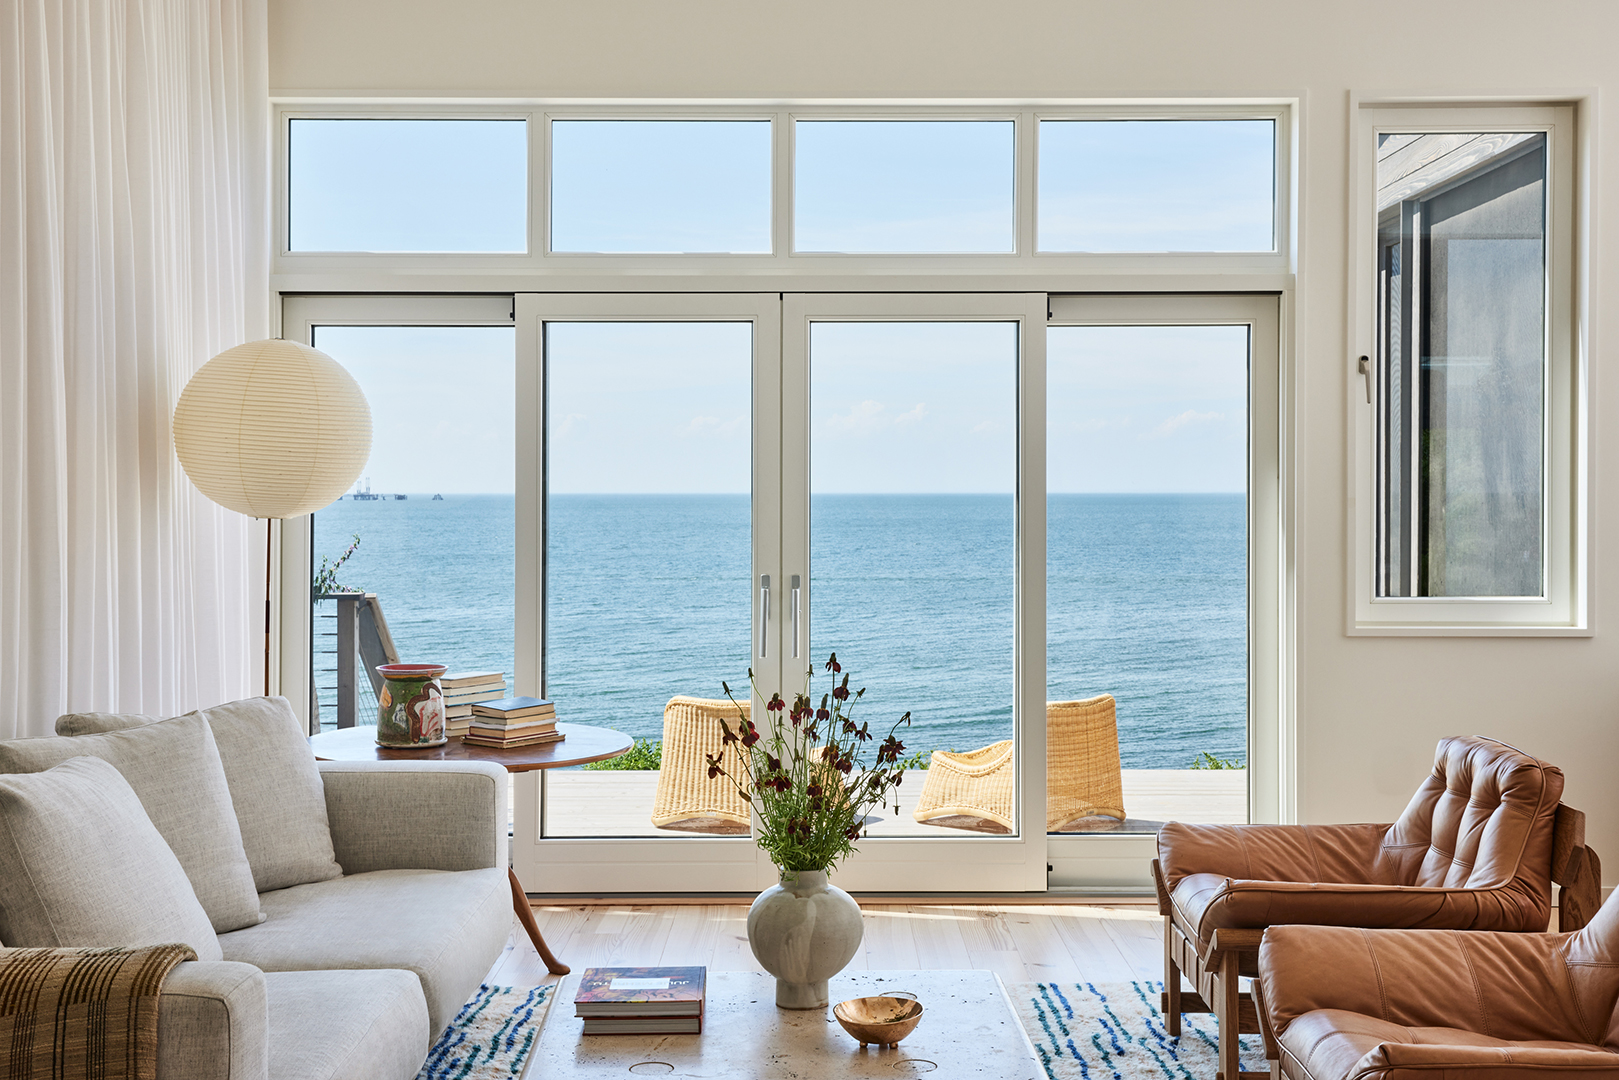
<point>804,931</point>
<point>411,708</point>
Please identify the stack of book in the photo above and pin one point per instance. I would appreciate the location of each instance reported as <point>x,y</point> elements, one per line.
<point>515,721</point>
<point>463,690</point>
<point>641,1000</point>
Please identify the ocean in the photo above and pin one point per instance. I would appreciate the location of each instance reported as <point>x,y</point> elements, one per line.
<point>648,596</point>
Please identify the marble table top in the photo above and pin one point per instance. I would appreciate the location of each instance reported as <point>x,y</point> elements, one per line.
<point>967,1030</point>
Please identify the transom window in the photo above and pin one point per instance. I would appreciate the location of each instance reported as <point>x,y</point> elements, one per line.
<point>803,186</point>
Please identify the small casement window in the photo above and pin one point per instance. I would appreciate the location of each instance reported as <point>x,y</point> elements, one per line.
<point>1465,408</point>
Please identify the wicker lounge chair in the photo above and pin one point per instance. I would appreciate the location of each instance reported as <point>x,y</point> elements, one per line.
<point>691,731</point>
<point>1082,771</point>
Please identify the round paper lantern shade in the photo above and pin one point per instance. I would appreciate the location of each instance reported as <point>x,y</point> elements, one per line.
<point>272,429</point>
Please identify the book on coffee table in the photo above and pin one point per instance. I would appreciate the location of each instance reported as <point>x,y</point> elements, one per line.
<point>648,1025</point>
<point>641,1000</point>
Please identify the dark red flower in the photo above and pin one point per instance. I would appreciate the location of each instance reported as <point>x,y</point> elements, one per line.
<point>773,762</point>
<point>775,704</point>
<point>832,664</point>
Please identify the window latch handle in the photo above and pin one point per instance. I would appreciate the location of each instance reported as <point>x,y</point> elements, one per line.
<point>795,584</point>
<point>1365,367</point>
<point>764,615</point>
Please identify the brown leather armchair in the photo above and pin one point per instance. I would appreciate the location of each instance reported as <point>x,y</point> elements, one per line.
<point>1338,1003</point>
<point>1477,848</point>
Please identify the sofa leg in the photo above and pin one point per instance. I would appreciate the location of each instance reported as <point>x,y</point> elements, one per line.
<point>525,915</point>
<point>1227,994</point>
<point>1172,983</point>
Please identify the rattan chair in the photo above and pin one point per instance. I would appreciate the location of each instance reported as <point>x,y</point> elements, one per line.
<point>1083,778</point>
<point>691,731</point>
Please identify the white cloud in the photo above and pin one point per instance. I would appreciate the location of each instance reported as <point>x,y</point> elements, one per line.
<point>569,422</point>
<point>911,416</point>
<point>713,425</point>
<point>866,416</point>
<point>1189,418</point>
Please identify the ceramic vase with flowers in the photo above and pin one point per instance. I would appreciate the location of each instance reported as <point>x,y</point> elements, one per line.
<point>811,778</point>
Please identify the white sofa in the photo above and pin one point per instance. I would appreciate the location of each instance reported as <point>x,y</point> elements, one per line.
<point>340,920</point>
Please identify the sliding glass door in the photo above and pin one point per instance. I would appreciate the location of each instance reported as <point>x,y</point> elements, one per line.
<point>989,506</point>
<point>911,426</point>
<point>649,502</point>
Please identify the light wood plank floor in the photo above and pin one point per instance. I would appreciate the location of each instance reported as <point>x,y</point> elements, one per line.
<point>1022,943</point>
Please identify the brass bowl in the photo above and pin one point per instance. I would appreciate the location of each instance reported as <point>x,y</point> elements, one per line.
<point>881,1020</point>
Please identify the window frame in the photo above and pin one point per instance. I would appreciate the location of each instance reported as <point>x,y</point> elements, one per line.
<point>1564,608</point>
<point>597,271</point>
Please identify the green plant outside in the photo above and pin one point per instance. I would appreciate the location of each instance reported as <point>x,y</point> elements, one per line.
<point>646,754</point>
<point>1206,760</point>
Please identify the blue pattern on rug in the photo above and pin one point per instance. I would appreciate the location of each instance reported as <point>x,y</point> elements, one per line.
<point>1115,1031</point>
<point>490,1038</point>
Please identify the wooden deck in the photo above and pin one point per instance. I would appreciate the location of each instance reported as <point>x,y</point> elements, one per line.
<point>581,802</point>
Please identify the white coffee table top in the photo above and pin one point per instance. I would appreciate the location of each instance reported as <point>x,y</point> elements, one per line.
<point>967,1030</point>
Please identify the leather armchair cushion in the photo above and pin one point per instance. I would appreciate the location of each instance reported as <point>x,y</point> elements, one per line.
<point>1332,1044</point>
<point>1502,985</point>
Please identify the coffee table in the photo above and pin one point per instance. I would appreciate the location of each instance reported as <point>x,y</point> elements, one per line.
<point>580,743</point>
<point>968,1029</point>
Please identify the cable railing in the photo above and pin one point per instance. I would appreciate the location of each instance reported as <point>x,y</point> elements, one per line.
<point>357,642</point>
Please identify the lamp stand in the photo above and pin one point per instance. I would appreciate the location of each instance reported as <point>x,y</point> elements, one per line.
<point>267,607</point>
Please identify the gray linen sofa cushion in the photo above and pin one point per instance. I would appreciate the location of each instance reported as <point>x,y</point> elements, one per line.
<point>346,1025</point>
<point>94,723</point>
<point>175,770</point>
<point>280,805</point>
<point>82,864</point>
<point>446,926</point>
<point>277,791</point>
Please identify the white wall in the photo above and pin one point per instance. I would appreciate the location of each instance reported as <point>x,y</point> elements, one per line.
<point>1369,709</point>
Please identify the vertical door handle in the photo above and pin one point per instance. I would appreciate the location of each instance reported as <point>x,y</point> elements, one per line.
<point>1365,367</point>
<point>795,616</point>
<point>764,615</point>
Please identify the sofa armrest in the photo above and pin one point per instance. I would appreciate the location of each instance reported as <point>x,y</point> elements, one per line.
<point>1270,852</point>
<point>1510,986</point>
<point>416,815</point>
<point>213,1023</point>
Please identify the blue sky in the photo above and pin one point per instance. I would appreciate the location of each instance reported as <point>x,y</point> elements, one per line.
<point>895,407</point>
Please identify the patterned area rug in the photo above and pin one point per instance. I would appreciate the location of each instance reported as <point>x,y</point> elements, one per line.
<point>1115,1031</point>
<point>491,1036</point>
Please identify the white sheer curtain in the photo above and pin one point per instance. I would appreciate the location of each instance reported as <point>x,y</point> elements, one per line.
<point>132,249</point>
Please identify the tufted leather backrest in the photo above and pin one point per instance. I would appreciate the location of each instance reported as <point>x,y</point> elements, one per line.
<point>1481,820</point>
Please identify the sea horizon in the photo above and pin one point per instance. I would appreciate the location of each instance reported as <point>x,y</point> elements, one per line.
<point>649,597</point>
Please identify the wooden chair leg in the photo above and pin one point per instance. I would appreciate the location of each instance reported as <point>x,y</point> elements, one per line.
<point>1172,983</point>
<point>1227,993</point>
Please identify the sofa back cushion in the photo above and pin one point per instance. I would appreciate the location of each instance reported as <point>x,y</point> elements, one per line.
<point>82,864</point>
<point>94,723</point>
<point>276,788</point>
<point>274,785</point>
<point>1481,820</point>
<point>174,768</point>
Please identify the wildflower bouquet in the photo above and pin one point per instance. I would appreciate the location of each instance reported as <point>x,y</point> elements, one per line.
<point>810,775</point>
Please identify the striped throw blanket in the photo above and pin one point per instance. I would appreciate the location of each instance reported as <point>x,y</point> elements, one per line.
<point>82,1014</point>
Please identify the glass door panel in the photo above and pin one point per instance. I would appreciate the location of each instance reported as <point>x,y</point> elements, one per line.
<point>647,553</point>
<point>913,469</point>
<point>1158,493</point>
<point>905,443</point>
<point>427,532</point>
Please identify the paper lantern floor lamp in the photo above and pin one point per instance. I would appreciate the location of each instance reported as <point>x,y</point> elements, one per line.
<point>272,429</point>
